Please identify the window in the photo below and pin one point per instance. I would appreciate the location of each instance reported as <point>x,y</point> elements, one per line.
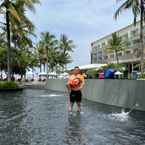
<point>98,46</point>
<point>105,57</point>
<point>124,37</point>
<point>95,48</point>
<point>103,44</point>
<point>112,56</point>
<point>137,41</point>
<point>120,54</point>
<point>128,52</point>
<point>100,52</point>
<point>144,29</point>
<point>134,33</point>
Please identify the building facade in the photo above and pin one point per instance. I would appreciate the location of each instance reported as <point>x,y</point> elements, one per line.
<point>129,56</point>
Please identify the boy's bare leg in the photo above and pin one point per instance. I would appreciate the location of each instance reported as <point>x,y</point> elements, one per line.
<point>70,106</point>
<point>79,106</point>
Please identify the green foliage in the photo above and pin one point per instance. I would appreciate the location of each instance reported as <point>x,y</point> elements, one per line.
<point>142,76</point>
<point>17,26</point>
<point>20,62</point>
<point>92,73</point>
<point>119,67</point>
<point>134,5</point>
<point>116,45</point>
<point>54,52</point>
<point>8,85</point>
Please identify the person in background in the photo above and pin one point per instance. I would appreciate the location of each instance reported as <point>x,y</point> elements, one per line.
<point>74,85</point>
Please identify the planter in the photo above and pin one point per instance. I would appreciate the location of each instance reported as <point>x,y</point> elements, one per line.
<point>6,90</point>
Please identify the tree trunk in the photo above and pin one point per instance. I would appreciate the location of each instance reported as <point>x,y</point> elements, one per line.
<point>8,45</point>
<point>117,58</point>
<point>40,67</point>
<point>141,37</point>
<point>44,67</point>
<point>1,75</point>
<point>47,64</point>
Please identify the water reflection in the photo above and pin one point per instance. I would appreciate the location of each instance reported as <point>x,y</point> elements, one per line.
<point>75,133</point>
<point>11,117</point>
<point>34,118</point>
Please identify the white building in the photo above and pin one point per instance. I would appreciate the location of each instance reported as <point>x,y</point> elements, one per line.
<point>130,56</point>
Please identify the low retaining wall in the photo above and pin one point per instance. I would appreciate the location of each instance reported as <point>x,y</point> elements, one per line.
<point>121,93</point>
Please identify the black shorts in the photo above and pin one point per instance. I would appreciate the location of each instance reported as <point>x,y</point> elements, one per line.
<point>75,96</point>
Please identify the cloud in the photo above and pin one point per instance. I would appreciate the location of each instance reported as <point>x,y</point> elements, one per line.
<point>82,20</point>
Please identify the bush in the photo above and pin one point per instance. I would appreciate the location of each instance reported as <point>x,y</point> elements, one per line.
<point>142,76</point>
<point>8,85</point>
<point>92,73</point>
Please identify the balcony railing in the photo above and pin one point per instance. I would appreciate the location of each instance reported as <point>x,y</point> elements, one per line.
<point>126,58</point>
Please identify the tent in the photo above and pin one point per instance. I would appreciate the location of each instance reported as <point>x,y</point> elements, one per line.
<point>90,66</point>
<point>118,73</point>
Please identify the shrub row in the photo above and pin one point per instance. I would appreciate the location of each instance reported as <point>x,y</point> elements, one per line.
<point>8,85</point>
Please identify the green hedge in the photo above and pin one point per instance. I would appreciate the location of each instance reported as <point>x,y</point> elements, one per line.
<point>8,85</point>
<point>92,73</point>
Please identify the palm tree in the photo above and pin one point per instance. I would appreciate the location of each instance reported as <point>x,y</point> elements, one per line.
<point>138,9</point>
<point>41,55</point>
<point>14,17</point>
<point>66,46</point>
<point>115,45</point>
<point>49,44</point>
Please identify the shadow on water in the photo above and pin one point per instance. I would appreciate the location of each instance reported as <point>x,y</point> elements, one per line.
<point>75,133</point>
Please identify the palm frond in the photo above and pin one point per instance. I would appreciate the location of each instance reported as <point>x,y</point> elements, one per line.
<point>13,12</point>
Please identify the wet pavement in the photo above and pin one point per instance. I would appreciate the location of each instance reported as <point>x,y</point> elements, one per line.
<point>40,117</point>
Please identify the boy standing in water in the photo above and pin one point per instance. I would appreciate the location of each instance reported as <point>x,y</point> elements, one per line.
<point>75,84</point>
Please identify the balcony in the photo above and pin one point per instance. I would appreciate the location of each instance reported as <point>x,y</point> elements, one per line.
<point>126,58</point>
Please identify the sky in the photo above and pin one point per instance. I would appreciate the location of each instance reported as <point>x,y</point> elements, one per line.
<point>83,21</point>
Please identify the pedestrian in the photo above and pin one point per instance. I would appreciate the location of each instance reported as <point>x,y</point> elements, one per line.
<point>74,85</point>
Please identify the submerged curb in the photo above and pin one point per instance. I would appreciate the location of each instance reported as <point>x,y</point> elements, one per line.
<point>11,90</point>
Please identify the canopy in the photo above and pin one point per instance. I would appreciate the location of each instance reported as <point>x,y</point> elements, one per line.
<point>109,73</point>
<point>29,73</point>
<point>52,74</point>
<point>91,66</point>
<point>42,74</point>
<point>118,73</point>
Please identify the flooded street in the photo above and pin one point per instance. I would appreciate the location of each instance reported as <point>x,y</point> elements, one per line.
<point>40,117</point>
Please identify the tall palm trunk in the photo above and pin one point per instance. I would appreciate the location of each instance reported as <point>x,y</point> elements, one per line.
<point>1,75</point>
<point>47,64</point>
<point>44,66</point>
<point>117,58</point>
<point>141,36</point>
<point>8,45</point>
<point>40,67</point>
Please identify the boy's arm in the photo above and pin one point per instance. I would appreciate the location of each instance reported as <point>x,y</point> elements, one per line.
<point>68,87</point>
<point>82,85</point>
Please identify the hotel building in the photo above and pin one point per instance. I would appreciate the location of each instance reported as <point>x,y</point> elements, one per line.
<point>129,56</point>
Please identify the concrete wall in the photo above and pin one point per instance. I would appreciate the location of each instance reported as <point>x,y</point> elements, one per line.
<point>122,93</point>
<point>56,84</point>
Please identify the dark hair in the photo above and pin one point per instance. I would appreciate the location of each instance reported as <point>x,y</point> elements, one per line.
<point>76,67</point>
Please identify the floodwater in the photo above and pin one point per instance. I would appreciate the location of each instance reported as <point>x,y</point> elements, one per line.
<point>40,117</point>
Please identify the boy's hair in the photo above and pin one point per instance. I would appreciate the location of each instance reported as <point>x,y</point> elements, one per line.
<point>76,67</point>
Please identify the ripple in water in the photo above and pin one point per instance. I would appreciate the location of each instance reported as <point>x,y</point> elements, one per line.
<point>50,95</point>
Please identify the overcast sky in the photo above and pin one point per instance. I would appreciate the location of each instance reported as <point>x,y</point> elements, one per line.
<point>83,21</point>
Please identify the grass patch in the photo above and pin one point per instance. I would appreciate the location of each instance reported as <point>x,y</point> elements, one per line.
<point>8,85</point>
